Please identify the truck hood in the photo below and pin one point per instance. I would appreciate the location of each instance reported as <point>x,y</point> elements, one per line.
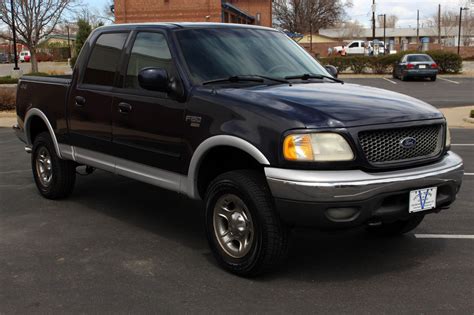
<point>320,105</point>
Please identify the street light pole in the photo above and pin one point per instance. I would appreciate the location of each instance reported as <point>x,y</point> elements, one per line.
<point>460,21</point>
<point>14,37</point>
<point>373,21</point>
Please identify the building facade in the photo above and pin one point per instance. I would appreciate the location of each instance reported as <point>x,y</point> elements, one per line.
<point>258,12</point>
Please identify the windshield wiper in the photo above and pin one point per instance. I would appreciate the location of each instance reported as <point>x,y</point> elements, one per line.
<point>308,76</point>
<point>246,78</point>
<point>234,79</point>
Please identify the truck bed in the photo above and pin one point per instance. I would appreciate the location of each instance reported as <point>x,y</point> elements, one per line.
<point>48,94</point>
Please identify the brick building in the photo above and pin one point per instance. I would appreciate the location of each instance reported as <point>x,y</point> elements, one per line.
<point>258,12</point>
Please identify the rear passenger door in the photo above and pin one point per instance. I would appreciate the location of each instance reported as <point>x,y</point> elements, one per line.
<point>148,126</point>
<point>89,105</point>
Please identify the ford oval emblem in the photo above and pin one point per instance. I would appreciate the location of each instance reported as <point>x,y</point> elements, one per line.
<point>408,143</point>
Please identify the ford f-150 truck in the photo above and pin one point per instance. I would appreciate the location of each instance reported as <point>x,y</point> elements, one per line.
<point>244,119</point>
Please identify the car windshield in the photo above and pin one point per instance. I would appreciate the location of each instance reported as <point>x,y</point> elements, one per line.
<point>217,53</point>
<point>418,58</point>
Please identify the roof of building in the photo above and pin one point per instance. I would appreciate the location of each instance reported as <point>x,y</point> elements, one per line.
<point>237,10</point>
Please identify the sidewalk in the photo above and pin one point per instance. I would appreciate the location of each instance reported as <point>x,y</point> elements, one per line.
<point>456,115</point>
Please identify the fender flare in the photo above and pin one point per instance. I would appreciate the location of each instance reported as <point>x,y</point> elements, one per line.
<point>34,112</point>
<point>200,153</point>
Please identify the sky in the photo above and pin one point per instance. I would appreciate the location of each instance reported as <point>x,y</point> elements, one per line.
<point>361,9</point>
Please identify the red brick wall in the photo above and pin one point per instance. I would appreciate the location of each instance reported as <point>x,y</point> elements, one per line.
<point>136,11</point>
<point>264,7</point>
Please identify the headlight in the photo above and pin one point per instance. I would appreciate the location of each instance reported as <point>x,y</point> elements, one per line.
<point>317,147</point>
<point>448,137</point>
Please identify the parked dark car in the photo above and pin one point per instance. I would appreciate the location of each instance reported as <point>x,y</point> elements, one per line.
<point>415,66</point>
<point>244,119</point>
<point>3,58</point>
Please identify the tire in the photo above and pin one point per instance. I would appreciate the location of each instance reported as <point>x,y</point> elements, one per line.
<point>240,202</point>
<point>433,78</point>
<point>399,227</point>
<point>53,176</point>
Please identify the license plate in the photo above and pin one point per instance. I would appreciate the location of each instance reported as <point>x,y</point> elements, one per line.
<point>422,199</point>
<point>422,66</point>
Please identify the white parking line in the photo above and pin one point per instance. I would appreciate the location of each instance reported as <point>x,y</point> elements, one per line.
<point>455,82</point>
<point>463,145</point>
<point>393,82</point>
<point>469,174</point>
<point>445,236</point>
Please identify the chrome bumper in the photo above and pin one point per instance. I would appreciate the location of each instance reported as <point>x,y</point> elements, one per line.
<point>357,185</point>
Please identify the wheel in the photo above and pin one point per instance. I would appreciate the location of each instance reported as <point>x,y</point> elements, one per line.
<point>396,228</point>
<point>433,78</point>
<point>53,176</point>
<point>244,231</point>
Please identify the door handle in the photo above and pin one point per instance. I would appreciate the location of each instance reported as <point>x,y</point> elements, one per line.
<point>80,101</point>
<point>124,108</point>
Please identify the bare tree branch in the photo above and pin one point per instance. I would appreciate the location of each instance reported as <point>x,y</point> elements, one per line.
<point>34,20</point>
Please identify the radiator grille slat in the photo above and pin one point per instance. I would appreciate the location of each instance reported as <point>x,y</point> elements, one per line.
<point>384,146</point>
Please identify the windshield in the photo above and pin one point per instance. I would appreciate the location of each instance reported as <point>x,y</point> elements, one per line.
<point>419,58</point>
<point>212,54</point>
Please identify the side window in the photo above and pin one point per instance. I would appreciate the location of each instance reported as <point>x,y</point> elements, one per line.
<point>354,45</point>
<point>149,50</point>
<point>104,59</point>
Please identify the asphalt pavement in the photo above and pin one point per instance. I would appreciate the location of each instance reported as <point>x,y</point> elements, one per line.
<point>447,91</point>
<point>120,246</point>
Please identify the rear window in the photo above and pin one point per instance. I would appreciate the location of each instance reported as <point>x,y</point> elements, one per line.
<point>104,59</point>
<point>419,58</point>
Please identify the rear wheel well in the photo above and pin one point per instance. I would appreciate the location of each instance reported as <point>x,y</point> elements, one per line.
<point>35,127</point>
<point>223,159</point>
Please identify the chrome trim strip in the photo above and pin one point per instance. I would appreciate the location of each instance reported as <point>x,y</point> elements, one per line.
<point>137,171</point>
<point>190,186</point>
<point>351,185</point>
<point>36,112</point>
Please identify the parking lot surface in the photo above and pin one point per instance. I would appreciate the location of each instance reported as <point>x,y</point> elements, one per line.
<point>118,246</point>
<point>447,91</point>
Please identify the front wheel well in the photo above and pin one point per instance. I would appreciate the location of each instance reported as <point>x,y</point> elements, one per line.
<point>223,159</point>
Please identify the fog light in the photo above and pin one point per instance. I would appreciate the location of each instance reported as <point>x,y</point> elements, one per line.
<point>342,214</point>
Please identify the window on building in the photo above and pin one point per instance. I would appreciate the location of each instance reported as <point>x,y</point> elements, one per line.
<point>104,59</point>
<point>149,50</point>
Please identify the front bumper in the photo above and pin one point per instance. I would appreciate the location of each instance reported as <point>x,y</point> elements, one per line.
<point>337,199</point>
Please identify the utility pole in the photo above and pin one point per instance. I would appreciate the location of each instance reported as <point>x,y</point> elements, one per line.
<point>14,37</point>
<point>373,21</point>
<point>439,25</point>
<point>460,21</point>
<point>418,27</point>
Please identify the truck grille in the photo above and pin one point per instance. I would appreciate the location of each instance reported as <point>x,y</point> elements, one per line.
<point>385,146</point>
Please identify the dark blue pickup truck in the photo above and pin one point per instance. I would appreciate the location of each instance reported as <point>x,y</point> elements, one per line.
<point>244,119</point>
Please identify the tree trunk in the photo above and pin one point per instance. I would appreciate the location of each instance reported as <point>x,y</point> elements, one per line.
<point>34,62</point>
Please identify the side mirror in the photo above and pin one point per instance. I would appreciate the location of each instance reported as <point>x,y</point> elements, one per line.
<point>154,79</point>
<point>332,70</point>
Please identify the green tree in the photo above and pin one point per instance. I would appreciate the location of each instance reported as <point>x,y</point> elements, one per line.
<point>84,29</point>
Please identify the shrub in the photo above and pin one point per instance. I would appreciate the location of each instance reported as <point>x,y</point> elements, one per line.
<point>358,64</point>
<point>41,57</point>
<point>472,114</point>
<point>7,98</point>
<point>447,62</point>
<point>341,63</point>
